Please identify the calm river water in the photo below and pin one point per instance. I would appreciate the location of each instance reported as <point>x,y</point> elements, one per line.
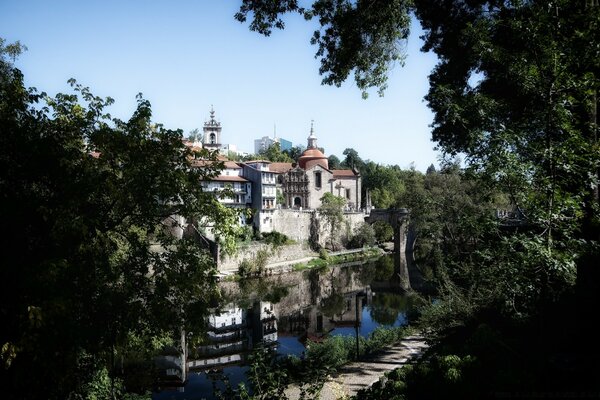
<point>286,310</point>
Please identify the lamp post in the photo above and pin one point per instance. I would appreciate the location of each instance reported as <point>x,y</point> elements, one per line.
<point>359,295</point>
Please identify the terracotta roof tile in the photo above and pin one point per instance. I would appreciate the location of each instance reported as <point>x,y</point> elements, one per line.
<point>280,167</point>
<point>343,173</point>
<point>229,178</point>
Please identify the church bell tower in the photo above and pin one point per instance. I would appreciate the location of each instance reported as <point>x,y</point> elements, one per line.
<point>212,133</point>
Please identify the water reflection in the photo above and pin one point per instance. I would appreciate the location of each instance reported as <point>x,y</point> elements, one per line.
<point>285,311</point>
<point>232,333</point>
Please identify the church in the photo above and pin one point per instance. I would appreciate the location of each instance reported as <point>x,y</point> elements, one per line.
<point>304,183</point>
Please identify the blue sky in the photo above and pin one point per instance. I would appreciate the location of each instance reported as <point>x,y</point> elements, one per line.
<point>186,55</point>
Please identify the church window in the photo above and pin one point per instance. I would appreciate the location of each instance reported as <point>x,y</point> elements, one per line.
<point>348,194</point>
<point>318,179</point>
<point>213,139</point>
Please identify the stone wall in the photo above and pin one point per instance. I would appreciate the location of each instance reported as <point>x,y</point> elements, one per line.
<point>283,253</point>
<point>296,224</point>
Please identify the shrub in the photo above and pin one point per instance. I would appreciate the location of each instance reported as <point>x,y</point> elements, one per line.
<point>275,238</point>
<point>363,236</point>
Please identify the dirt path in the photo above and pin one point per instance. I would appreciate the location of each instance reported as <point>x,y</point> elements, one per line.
<point>360,375</point>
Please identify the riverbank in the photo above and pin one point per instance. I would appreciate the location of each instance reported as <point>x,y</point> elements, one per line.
<point>362,374</point>
<point>336,257</point>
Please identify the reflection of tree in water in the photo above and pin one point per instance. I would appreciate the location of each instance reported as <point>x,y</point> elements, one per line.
<point>333,305</point>
<point>257,289</point>
<point>385,307</point>
<point>380,270</point>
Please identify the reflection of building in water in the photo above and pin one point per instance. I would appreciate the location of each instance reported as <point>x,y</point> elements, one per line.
<point>169,365</point>
<point>232,334</point>
<point>265,325</point>
<point>335,311</point>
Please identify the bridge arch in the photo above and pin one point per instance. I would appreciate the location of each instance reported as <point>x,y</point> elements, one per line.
<point>398,220</point>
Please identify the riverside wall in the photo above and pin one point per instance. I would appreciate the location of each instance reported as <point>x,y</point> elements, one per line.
<point>297,225</point>
<point>288,252</point>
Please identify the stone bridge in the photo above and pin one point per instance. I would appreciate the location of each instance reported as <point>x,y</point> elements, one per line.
<point>398,220</point>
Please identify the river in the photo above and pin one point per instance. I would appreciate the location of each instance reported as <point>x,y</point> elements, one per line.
<point>287,310</point>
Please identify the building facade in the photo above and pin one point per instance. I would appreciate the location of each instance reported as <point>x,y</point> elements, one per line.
<point>304,184</point>
<point>264,190</point>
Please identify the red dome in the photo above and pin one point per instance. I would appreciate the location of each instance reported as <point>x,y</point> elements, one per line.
<point>311,157</point>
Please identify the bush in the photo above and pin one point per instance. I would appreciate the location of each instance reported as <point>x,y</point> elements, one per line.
<point>255,265</point>
<point>323,255</point>
<point>275,238</point>
<point>363,236</point>
<point>383,231</point>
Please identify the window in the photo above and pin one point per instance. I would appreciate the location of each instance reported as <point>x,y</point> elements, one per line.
<point>213,138</point>
<point>318,179</point>
<point>348,194</point>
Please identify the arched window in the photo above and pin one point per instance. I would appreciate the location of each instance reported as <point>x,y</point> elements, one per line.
<point>318,179</point>
<point>213,138</point>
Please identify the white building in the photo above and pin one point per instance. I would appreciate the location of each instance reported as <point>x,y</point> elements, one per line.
<point>264,192</point>
<point>232,189</point>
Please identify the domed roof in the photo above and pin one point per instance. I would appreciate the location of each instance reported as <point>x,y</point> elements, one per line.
<point>312,155</point>
<point>315,156</point>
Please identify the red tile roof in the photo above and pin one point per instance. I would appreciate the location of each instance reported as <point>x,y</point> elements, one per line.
<point>280,167</point>
<point>229,178</point>
<point>343,173</point>
<point>232,165</point>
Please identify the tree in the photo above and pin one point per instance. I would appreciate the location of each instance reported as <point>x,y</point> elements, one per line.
<point>515,91</point>
<point>363,37</point>
<point>332,209</point>
<point>384,184</point>
<point>352,160</point>
<point>529,122</point>
<point>294,152</point>
<point>334,162</point>
<point>274,154</point>
<point>364,235</point>
<point>195,135</point>
<point>431,169</point>
<point>90,203</point>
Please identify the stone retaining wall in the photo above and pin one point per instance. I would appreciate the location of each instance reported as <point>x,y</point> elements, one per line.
<point>282,253</point>
<point>296,224</point>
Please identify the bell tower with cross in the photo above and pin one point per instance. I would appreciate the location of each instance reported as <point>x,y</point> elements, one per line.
<point>212,133</point>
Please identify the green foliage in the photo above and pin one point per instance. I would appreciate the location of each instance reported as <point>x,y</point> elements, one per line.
<point>332,210</point>
<point>515,92</point>
<point>352,160</point>
<point>274,154</point>
<point>323,254</point>
<point>276,239</point>
<point>318,263</point>
<point>384,183</point>
<point>294,153</point>
<point>383,232</point>
<point>254,266</point>
<point>354,37</point>
<point>334,162</point>
<point>266,380</point>
<point>336,351</point>
<point>92,201</point>
<point>363,236</point>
